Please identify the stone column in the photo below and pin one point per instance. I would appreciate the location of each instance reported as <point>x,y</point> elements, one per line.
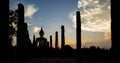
<point>56,40</point>
<point>50,41</point>
<point>62,36</point>
<point>78,33</point>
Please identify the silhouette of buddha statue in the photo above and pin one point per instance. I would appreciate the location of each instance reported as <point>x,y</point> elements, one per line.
<point>41,40</point>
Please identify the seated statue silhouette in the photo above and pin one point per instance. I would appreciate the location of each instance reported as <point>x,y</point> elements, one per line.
<point>41,41</point>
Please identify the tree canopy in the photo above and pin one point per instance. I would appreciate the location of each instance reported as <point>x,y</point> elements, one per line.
<point>13,18</point>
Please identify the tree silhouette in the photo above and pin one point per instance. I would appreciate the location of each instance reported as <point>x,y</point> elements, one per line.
<point>13,18</point>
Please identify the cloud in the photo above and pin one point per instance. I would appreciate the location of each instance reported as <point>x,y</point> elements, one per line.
<point>95,15</point>
<point>29,24</point>
<point>30,10</point>
<point>73,18</point>
<point>107,35</point>
<point>69,30</point>
<point>35,29</point>
<point>89,43</point>
<point>99,42</point>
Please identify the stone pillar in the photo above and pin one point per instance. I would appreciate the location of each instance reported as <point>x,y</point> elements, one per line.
<point>50,41</point>
<point>62,36</point>
<point>78,32</point>
<point>34,42</point>
<point>20,40</point>
<point>56,40</point>
<point>23,41</point>
<point>20,25</point>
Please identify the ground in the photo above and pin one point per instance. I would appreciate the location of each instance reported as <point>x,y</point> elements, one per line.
<point>67,60</point>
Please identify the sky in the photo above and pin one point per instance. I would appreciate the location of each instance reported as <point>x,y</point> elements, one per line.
<point>51,14</point>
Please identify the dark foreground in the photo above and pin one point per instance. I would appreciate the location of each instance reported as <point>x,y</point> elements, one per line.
<point>66,60</point>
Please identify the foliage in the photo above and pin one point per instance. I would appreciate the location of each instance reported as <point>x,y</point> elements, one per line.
<point>13,18</point>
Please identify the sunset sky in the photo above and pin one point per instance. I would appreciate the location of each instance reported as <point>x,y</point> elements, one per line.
<point>51,14</point>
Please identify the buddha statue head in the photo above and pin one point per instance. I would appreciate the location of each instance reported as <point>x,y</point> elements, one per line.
<point>41,33</point>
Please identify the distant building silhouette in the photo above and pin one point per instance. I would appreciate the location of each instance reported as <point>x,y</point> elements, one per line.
<point>50,41</point>
<point>56,40</point>
<point>62,36</point>
<point>43,43</point>
<point>78,32</point>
